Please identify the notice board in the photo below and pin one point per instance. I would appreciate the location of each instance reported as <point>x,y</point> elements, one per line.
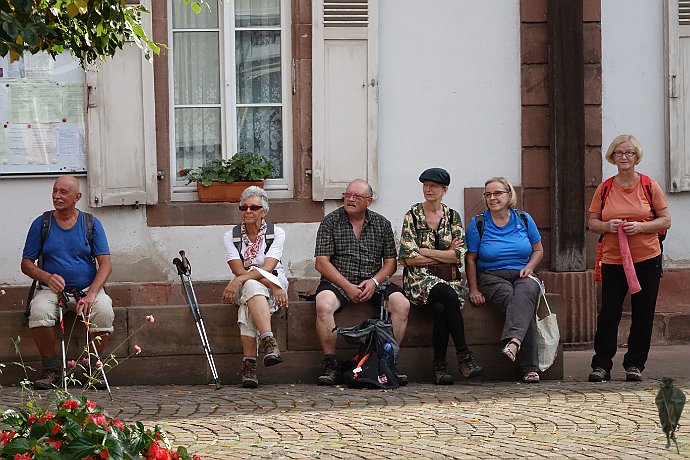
<point>42,116</point>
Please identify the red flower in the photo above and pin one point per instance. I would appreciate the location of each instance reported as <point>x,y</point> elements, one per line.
<point>70,404</point>
<point>55,429</point>
<point>117,423</point>
<point>90,404</point>
<point>183,172</point>
<point>156,452</point>
<point>22,457</point>
<point>31,419</point>
<point>6,436</point>
<point>47,416</point>
<point>54,443</point>
<point>196,457</point>
<point>104,453</point>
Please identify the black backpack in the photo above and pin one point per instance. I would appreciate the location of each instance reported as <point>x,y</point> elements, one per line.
<point>479,221</point>
<point>237,238</point>
<point>45,230</point>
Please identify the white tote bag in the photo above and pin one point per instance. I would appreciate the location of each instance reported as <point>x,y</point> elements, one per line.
<point>547,330</point>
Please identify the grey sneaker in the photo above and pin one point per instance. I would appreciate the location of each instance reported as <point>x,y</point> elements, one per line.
<point>467,365</point>
<point>331,369</point>
<point>598,374</point>
<point>272,356</point>
<point>441,377</point>
<point>49,379</point>
<point>249,379</point>
<point>633,374</point>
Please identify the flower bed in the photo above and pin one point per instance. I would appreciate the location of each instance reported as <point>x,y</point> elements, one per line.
<point>80,430</point>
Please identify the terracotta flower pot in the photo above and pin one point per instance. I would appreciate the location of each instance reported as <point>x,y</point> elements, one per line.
<point>223,191</point>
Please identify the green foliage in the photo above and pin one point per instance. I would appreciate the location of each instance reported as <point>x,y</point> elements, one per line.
<point>92,30</point>
<point>242,167</point>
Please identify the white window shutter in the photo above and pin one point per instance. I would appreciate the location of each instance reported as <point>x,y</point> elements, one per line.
<point>121,129</point>
<point>345,95</point>
<point>677,15</point>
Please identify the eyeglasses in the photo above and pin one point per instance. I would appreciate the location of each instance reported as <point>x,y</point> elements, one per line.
<point>628,154</point>
<point>496,194</point>
<point>253,207</point>
<point>347,196</point>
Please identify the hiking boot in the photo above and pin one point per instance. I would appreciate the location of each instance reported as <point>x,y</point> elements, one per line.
<point>49,379</point>
<point>467,366</point>
<point>249,379</point>
<point>330,374</point>
<point>272,356</point>
<point>633,374</point>
<point>441,377</point>
<point>600,375</point>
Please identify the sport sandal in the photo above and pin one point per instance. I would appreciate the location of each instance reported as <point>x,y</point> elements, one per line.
<point>511,349</point>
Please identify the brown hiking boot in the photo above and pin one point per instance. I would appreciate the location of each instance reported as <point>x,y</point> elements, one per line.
<point>441,377</point>
<point>249,379</point>
<point>272,356</point>
<point>49,379</point>
<point>467,365</point>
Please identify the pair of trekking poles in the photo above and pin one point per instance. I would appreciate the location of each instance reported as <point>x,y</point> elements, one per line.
<point>184,269</point>
<point>90,342</point>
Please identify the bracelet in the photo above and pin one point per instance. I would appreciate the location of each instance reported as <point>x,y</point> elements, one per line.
<point>375,282</point>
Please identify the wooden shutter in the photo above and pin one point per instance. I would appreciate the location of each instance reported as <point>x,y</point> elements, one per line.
<point>677,37</point>
<point>121,129</point>
<point>345,95</point>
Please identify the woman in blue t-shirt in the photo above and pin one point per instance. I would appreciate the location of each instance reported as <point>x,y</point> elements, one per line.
<point>503,249</point>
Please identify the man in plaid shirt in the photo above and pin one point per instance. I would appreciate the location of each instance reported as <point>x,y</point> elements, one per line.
<point>355,252</point>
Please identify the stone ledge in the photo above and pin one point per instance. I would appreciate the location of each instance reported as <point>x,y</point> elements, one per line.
<point>172,352</point>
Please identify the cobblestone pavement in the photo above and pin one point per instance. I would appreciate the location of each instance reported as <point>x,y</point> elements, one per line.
<point>479,420</point>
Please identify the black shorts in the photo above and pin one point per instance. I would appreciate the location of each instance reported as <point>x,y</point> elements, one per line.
<point>375,299</point>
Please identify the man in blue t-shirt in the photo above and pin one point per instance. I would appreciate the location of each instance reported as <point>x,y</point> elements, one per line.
<point>68,267</point>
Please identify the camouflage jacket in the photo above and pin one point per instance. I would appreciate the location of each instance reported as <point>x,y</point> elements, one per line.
<point>417,281</point>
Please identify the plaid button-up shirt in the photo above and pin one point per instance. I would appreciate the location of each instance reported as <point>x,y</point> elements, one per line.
<point>356,259</point>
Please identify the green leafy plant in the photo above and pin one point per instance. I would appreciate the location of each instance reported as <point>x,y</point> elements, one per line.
<point>242,167</point>
<point>80,429</point>
<point>91,30</point>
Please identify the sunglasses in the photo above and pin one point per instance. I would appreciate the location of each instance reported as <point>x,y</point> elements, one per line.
<point>253,207</point>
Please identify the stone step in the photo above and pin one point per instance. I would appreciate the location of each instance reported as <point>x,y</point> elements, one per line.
<point>171,351</point>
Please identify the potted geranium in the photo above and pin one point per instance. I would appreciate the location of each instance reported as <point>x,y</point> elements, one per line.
<point>224,180</point>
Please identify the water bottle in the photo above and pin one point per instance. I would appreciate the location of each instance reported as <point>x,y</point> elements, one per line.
<point>388,355</point>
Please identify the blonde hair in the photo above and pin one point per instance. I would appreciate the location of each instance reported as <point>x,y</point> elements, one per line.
<point>506,183</point>
<point>618,141</point>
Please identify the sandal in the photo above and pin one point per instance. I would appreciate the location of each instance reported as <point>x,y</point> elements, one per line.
<point>509,351</point>
<point>530,377</point>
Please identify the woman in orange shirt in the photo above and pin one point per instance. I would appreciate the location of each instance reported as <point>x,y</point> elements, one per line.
<point>626,206</point>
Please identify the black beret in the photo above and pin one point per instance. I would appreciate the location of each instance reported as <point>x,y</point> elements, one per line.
<point>438,175</point>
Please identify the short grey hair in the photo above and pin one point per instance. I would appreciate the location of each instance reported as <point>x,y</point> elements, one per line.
<point>253,190</point>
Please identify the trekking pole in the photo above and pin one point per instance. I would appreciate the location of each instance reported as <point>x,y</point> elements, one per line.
<point>184,269</point>
<point>89,340</point>
<point>62,303</point>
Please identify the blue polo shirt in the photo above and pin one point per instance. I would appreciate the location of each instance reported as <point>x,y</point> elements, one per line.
<point>502,248</point>
<point>67,252</point>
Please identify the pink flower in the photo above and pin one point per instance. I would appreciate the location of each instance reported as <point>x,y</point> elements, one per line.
<point>90,404</point>
<point>137,349</point>
<point>99,364</point>
<point>71,363</point>
<point>85,361</point>
<point>150,318</point>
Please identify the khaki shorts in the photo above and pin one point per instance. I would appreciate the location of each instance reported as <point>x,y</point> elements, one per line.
<point>252,288</point>
<point>45,304</point>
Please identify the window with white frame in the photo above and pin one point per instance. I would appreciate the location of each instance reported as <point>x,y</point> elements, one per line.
<point>230,87</point>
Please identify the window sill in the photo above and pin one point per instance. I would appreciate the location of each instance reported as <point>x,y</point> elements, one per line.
<point>186,213</point>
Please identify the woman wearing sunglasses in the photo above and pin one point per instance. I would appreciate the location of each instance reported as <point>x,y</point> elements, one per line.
<point>259,286</point>
<point>503,250</point>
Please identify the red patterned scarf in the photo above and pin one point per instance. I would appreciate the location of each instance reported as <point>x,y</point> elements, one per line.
<point>252,248</point>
